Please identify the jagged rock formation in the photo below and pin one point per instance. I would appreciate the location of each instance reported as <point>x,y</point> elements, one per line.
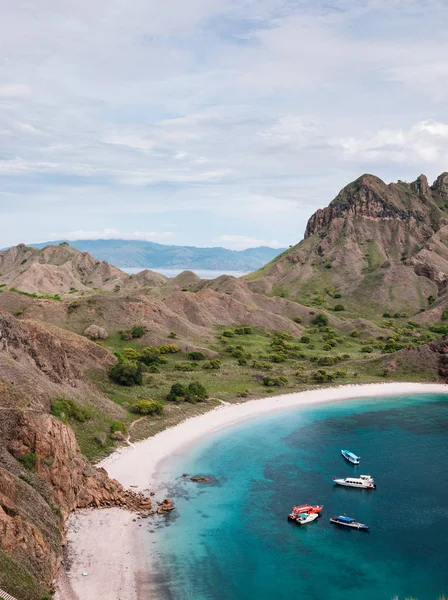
<point>381,246</point>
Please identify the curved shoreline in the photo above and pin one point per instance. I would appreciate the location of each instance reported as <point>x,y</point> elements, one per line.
<point>114,556</point>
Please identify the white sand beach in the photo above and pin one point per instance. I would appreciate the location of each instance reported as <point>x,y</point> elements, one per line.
<point>105,543</point>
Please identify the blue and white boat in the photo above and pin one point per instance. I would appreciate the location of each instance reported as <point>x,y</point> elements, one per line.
<point>348,522</point>
<point>351,457</point>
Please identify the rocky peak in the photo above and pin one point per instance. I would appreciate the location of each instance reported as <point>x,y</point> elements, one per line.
<point>420,186</point>
<point>368,196</point>
<point>440,186</point>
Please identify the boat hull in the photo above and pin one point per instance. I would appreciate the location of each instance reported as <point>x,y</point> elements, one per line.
<point>363,486</point>
<point>358,526</point>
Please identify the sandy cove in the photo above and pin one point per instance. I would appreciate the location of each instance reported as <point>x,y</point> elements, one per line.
<point>106,543</point>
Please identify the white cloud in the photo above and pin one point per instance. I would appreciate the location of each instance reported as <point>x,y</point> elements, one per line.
<point>241,242</point>
<point>255,112</point>
<point>115,234</point>
<point>14,90</point>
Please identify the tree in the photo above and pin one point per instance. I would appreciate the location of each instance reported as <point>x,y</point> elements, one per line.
<point>126,372</point>
<point>339,307</point>
<point>196,392</point>
<point>178,392</point>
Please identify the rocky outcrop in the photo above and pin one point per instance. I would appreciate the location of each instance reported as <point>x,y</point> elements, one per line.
<point>94,332</point>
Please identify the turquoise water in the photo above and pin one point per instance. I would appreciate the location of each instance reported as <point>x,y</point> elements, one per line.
<point>231,540</point>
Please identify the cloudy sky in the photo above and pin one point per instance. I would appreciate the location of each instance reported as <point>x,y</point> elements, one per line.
<point>211,122</point>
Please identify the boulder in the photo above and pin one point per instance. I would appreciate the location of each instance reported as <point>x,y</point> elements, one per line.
<point>95,332</point>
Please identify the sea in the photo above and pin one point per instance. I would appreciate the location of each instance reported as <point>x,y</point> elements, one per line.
<point>202,273</point>
<point>230,539</point>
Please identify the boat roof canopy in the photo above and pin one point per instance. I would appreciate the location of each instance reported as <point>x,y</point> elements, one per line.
<point>345,519</point>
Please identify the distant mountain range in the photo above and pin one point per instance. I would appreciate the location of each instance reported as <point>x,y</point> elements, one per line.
<point>134,254</point>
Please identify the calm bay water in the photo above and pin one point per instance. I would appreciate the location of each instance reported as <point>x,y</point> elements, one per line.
<point>232,541</point>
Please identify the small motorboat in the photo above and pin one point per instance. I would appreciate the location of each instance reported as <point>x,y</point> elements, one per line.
<point>348,522</point>
<point>363,482</point>
<point>352,458</point>
<point>304,518</point>
<point>306,508</point>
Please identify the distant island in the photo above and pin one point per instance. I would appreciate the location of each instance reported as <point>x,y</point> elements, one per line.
<point>134,254</point>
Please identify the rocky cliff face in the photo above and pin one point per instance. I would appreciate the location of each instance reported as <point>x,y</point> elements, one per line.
<point>382,247</point>
<point>43,475</point>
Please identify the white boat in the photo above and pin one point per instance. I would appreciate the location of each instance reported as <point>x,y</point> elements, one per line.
<point>304,518</point>
<point>349,522</point>
<point>363,481</point>
<point>351,457</point>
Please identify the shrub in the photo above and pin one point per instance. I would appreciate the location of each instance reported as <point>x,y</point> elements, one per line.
<point>28,461</point>
<point>126,372</point>
<point>138,331</point>
<point>196,355</point>
<point>326,347</point>
<point>186,366</point>
<point>118,426</point>
<point>130,353</point>
<point>212,364</point>
<point>328,265</point>
<point>148,407</point>
<point>387,315</point>
<point>260,364</point>
<point>248,330</point>
<point>275,381</point>
<point>339,308</point>
<point>320,320</point>
<point>65,408</point>
<point>194,392</point>
<point>150,355</point>
<point>242,362</point>
<point>445,315</point>
<point>367,349</point>
<point>431,300</point>
<point>172,335</point>
<point>178,392</point>
<point>277,357</point>
<point>337,295</point>
<point>443,329</point>
<point>169,349</point>
<point>297,319</point>
<point>354,333</point>
<point>228,333</point>
<point>305,339</point>
<point>322,376</point>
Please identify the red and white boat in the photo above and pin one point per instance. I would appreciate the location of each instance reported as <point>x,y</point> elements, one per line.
<point>305,509</point>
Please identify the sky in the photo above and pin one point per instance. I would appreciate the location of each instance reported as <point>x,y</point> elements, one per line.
<point>211,122</point>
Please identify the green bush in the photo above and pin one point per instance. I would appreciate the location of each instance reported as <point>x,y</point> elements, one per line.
<point>354,333</point>
<point>275,381</point>
<point>248,330</point>
<point>367,349</point>
<point>339,308</point>
<point>172,335</point>
<point>186,366</point>
<point>137,331</point>
<point>150,355</point>
<point>297,319</point>
<point>337,295</point>
<point>126,372</point>
<point>194,392</point>
<point>305,339</point>
<point>130,353</point>
<point>169,349</point>
<point>119,426</point>
<point>212,364</point>
<point>228,333</point>
<point>65,409</point>
<point>320,320</point>
<point>196,355</point>
<point>445,315</point>
<point>73,306</point>
<point>28,461</point>
<point>148,407</point>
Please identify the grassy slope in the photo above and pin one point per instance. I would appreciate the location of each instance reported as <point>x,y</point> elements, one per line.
<point>235,383</point>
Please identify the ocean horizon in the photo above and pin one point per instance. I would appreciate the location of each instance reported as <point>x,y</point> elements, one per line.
<point>230,539</point>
